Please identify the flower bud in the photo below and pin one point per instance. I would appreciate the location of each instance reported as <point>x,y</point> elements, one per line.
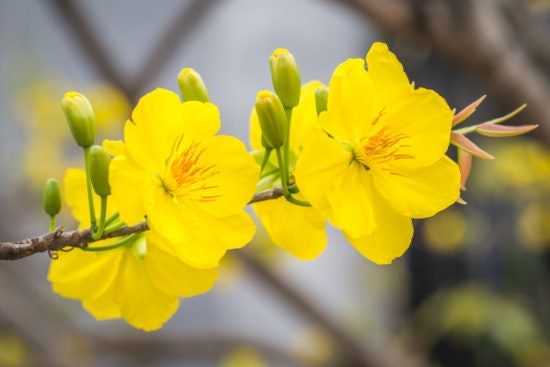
<point>286,77</point>
<point>192,87</point>
<point>51,198</point>
<point>81,118</point>
<point>272,119</point>
<point>321,98</point>
<point>99,170</point>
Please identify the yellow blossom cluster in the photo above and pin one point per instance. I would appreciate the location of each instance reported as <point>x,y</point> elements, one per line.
<point>367,154</point>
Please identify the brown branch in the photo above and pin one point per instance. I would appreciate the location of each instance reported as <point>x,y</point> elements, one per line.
<point>269,194</point>
<point>59,239</point>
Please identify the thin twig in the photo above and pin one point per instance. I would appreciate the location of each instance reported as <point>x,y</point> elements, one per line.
<point>59,239</point>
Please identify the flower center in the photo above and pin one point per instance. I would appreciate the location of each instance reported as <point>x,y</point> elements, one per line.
<point>380,149</point>
<point>187,175</point>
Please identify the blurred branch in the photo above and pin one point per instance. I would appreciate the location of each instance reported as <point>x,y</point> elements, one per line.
<point>353,353</point>
<point>178,32</point>
<point>202,345</point>
<point>59,239</point>
<point>477,38</point>
<point>90,44</point>
<point>20,311</point>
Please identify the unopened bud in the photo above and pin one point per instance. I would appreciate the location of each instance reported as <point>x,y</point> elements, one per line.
<point>286,77</point>
<point>52,197</point>
<point>81,118</point>
<point>191,86</point>
<point>99,170</point>
<point>272,119</point>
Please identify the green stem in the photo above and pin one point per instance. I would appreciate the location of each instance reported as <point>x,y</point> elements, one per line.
<point>284,180</point>
<point>111,218</point>
<point>286,145</point>
<point>97,235</point>
<point>267,153</point>
<point>89,187</point>
<point>52,223</point>
<point>284,172</point>
<point>115,245</point>
<point>293,200</point>
<point>113,227</point>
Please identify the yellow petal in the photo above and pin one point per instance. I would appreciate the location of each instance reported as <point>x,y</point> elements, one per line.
<point>352,102</point>
<point>390,237</point>
<point>350,199</point>
<point>299,230</point>
<point>235,178</point>
<point>79,274</point>
<point>102,307</point>
<point>386,71</point>
<point>424,117</point>
<point>142,304</point>
<point>321,161</point>
<point>198,238</point>
<point>255,133</point>
<point>156,120</point>
<point>76,195</point>
<point>174,276</point>
<point>304,116</point>
<point>128,186</point>
<point>114,147</point>
<point>386,242</point>
<point>420,193</point>
<point>200,119</point>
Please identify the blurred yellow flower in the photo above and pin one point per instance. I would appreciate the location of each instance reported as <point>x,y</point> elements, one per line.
<point>445,232</point>
<point>38,109</point>
<point>299,230</point>
<point>140,281</point>
<point>378,159</point>
<point>191,185</point>
<point>243,357</point>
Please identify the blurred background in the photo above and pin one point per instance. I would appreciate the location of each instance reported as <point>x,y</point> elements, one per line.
<point>473,289</point>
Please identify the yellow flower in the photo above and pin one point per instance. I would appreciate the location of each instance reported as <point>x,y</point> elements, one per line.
<point>139,281</point>
<point>379,159</point>
<point>191,185</point>
<point>299,230</point>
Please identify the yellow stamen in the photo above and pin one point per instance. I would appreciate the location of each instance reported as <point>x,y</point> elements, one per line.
<point>187,176</point>
<point>381,148</point>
